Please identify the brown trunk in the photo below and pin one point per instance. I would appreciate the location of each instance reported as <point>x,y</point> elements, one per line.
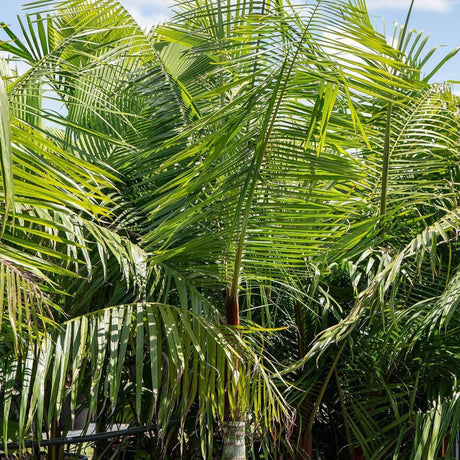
<point>305,446</point>
<point>232,309</point>
<point>358,454</point>
<point>55,452</point>
<point>444,445</point>
<point>304,438</point>
<point>309,445</point>
<point>54,431</point>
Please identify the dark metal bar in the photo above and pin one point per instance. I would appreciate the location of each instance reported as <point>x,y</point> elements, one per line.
<point>88,437</point>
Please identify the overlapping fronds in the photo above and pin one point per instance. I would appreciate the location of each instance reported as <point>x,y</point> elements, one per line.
<point>273,155</point>
<point>46,191</point>
<point>175,359</point>
<point>252,144</point>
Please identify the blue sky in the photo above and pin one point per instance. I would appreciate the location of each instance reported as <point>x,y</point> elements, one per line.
<point>440,19</point>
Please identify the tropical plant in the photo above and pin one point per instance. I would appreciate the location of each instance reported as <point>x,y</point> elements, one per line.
<point>179,356</point>
<point>283,168</point>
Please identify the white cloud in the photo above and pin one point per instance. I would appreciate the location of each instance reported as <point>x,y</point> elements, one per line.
<point>148,12</point>
<point>146,20</point>
<point>426,5</point>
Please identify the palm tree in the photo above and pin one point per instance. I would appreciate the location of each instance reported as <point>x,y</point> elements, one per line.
<point>393,371</point>
<point>247,143</point>
<point>117,314</point>
<point>303,187</point>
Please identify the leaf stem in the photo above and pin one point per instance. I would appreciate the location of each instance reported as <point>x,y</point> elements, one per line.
<point>386,146</point>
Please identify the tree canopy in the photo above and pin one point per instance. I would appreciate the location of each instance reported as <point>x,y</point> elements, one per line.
<point>247,213</point>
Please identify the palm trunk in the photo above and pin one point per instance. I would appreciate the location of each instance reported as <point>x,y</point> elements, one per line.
<point>234,441</point>
<point>444,445</point>
<point>304,445</point>
<point>358,454</point>
<point>232,309</point>
<point>234,428</point>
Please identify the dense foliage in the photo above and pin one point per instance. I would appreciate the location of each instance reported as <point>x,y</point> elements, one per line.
<point>252,162</point>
